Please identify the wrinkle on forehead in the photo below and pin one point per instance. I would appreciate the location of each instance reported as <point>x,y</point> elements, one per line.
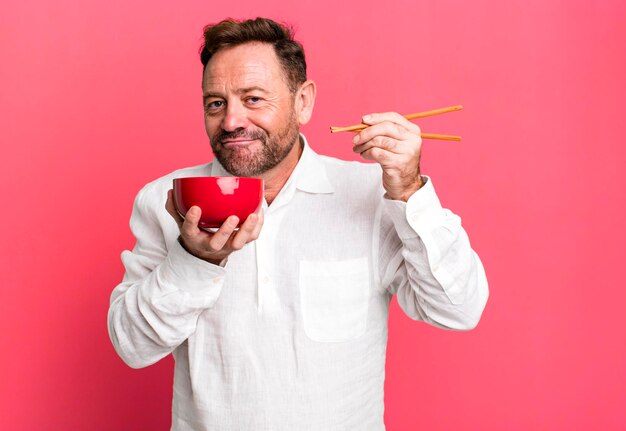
<point>241,76</point>
<point>243,67</point>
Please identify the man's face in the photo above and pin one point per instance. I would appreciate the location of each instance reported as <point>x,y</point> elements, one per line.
<point>249,111</point>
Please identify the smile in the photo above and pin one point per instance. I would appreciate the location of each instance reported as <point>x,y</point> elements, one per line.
<point>235,143</point>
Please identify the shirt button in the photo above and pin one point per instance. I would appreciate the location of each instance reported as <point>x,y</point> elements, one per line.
<point>265,279</point>
<point>217,280</point>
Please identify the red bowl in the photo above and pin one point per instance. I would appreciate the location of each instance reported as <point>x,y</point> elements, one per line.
<point>218,198</point>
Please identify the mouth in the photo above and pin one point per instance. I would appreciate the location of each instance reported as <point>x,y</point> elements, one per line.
<point>237,143</point>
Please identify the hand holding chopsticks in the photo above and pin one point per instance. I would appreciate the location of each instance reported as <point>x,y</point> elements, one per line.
<point>395,143</point>
<point>359,127</point>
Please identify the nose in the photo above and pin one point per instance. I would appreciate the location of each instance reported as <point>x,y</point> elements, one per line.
<point>236,117</point>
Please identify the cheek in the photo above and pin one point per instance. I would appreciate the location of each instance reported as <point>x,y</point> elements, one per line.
<point>211,125</point>
<point>261,117</point>
<point>268,119</point>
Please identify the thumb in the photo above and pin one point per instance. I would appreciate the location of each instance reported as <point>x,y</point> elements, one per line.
<point>193,215</point>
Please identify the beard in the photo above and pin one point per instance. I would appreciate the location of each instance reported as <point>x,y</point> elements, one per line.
<point>251,161</point>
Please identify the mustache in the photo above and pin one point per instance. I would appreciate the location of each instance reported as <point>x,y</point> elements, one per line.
<point>223,135</point>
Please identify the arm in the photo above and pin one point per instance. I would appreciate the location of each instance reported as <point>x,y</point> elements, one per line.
<point>170,279</point>
<point>163,292</point>
<point>428,263</point>
<point>426,257</point>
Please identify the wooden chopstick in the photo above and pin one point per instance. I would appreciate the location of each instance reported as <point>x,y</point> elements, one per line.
<point>440,137</point>
<point>358,127</point>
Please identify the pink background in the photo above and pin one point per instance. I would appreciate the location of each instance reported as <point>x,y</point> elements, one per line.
<point>99,98</point>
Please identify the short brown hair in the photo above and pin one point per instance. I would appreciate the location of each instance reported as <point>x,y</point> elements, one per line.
<point>230,32</point>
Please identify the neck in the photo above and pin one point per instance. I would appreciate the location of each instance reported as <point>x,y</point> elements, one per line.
<point>276,177</point>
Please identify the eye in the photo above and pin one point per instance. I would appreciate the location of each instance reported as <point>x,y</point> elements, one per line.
<point>253,100</point>
<point>214,105</point>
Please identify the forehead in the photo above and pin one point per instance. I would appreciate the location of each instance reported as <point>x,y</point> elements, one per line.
<point>242,66</point>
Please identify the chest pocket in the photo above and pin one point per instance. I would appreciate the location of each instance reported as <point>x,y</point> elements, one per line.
<point>334,297</point>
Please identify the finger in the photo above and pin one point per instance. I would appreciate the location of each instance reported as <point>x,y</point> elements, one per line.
<point>171,208</point>
<point>223,234</point>
<point>190,228</point>
<point>379,155</point>
<point>407,148</point>
<point>389,159</point>
<point>388,129</point>
<point>382,142</point>
<point>393,117</point>
<point>243,236</point>
<point>250,230</point>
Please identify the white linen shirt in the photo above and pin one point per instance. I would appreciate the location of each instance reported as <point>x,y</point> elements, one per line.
<point>290,333</point>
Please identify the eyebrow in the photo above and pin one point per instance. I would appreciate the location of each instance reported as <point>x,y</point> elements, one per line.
<point>245,90</point>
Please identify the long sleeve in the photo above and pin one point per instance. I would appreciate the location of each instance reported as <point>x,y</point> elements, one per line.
<point>428,263</point>
<point>164,289</point>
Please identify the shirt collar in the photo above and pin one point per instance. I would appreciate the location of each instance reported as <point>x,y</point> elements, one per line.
<point>309,174</point>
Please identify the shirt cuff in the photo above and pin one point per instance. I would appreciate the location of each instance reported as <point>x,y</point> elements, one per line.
<point>186,272</point>
<point>415,215</point>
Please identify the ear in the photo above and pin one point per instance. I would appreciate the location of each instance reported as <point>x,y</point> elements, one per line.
<point>304,101</point>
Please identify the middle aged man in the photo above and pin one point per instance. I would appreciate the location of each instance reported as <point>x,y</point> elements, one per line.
<point>282,324</point>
